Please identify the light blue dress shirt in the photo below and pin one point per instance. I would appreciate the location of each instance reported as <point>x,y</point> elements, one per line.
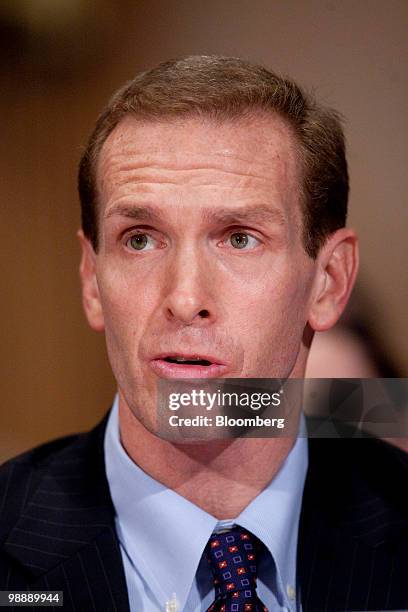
<point>162,535</point>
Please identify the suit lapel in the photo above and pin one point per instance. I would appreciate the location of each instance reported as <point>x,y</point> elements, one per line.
<point>66,533</point>
<point>352,541</point>
<point>353,529</point>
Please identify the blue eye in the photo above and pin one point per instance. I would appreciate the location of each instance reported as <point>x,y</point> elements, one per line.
<point>139,242</point>
<point>239,240</point>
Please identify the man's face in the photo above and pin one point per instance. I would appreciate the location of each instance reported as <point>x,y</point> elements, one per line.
<point>200,253</point>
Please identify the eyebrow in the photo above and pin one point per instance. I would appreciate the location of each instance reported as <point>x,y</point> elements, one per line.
<point>260,213</point>
<point>140,213</point>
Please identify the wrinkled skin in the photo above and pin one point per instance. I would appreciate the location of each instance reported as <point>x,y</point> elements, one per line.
<point>189,288</point>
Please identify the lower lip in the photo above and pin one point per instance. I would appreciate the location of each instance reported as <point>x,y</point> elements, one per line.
<point>165,369</point>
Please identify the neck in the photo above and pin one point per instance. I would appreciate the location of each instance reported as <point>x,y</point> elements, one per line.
<point>239,468</point>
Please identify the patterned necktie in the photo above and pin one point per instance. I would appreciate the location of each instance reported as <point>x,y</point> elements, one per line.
<point>232,556</point>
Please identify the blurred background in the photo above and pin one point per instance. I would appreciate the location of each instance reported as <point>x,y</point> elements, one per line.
<point>60,62</point>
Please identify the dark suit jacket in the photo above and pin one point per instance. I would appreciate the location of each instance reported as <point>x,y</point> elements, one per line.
<point>57,526</point>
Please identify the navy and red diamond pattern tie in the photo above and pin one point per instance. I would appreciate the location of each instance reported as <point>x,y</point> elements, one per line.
<point>232,556</point>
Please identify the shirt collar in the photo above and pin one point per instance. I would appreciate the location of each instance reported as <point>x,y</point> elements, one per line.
<point>152,533</point>
<point>150,526</point>
<point>273,516</point>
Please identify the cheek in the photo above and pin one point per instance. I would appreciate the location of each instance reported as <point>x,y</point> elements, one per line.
<point>126,295</point>
<point>125,308</point>
<point>269,314</point>
<point>273,298</point>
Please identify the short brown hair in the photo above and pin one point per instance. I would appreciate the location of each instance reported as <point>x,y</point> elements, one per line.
<point>225,88</point>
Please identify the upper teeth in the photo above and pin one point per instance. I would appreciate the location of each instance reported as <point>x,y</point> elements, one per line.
<point>186,358</point>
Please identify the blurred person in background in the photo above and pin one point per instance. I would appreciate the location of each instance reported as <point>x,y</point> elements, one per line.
<point>214,201</point>
<point>351,350</point>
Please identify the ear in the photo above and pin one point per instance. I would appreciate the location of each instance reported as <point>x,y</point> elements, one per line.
<point>337,265</point>
<point>90,291</point>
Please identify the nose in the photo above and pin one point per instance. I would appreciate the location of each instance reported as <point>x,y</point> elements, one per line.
<point>188,288</point>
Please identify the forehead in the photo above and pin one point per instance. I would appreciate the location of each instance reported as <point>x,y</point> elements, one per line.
<point>252,154</point>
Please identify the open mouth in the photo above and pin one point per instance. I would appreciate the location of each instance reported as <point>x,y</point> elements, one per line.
<point>187,366</point>
<point>188,361</point>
